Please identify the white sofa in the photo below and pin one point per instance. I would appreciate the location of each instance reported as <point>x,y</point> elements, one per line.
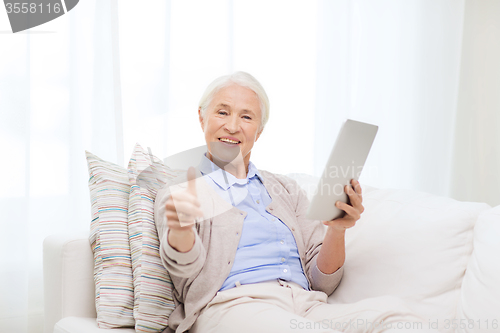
<point>441,257</point>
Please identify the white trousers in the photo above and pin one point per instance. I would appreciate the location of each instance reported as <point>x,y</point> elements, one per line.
<point>279,306</point>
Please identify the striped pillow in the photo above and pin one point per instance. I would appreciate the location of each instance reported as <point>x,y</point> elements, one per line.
<point>153,300</point>
<point>109,194</point>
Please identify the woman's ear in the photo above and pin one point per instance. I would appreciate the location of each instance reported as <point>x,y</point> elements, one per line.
<point>201,120</point>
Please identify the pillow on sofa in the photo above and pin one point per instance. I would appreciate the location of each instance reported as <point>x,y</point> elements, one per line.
<point>152,285</point>
<point>479,306</point>
<point>412,245</point>
<point>109,193</point>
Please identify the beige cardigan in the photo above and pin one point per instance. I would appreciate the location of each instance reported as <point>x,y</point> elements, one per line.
<point>197,275</point>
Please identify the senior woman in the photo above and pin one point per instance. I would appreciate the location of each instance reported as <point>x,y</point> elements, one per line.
<point>253,262</point>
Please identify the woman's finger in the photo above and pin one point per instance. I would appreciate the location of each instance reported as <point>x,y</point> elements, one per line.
<point>351,211</point>
<point>172,216</point>
<point>186,196</point>
<point>186,208</point>
<point>357,186</point>
<point>179,217</point>
<point>176,225</point>
<point>353,196</point>
<point>356,199</point>
<point>183,202</point>
<point>176,200</point>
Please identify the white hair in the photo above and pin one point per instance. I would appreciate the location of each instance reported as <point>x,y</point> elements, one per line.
<point>242,79</point>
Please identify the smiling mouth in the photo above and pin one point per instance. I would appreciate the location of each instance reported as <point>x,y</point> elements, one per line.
<point>229,141</point>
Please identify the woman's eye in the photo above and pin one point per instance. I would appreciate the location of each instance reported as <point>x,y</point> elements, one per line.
<point>222,112</point>
<point>247,117</point>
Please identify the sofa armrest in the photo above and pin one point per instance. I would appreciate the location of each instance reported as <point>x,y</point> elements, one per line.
<point>68,273</point>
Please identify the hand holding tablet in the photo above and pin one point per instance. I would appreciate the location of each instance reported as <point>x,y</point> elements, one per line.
<point>346,162</point>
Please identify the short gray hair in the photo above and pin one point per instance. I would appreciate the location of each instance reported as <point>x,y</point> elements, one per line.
<point>242,79</point>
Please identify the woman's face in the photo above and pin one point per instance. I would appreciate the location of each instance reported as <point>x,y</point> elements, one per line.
<point>231,124</point>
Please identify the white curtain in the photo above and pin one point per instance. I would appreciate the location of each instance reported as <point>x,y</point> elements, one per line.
<point>57,98</point>
<point>427,72</point>
<point>111,73</point>
<point>476,142</point>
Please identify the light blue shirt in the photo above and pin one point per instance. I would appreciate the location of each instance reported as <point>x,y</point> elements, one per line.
<point>267,248</point>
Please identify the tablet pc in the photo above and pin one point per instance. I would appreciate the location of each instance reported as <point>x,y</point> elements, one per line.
<point>346,162</point>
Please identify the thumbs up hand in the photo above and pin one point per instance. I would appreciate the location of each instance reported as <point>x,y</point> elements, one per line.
<point>183,209</point>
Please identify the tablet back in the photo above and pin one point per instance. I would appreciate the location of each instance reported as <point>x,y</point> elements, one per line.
<point>346,162</point>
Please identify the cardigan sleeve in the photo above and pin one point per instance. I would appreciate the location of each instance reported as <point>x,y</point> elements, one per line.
<point>326,282</point>
<point>313,232</point>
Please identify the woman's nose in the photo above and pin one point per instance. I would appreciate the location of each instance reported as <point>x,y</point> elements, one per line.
<point>233,124</point>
